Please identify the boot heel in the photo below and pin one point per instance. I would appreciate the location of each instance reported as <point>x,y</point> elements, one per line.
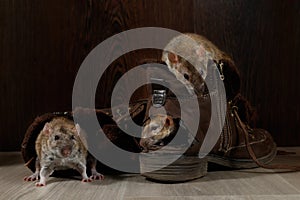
<point>185,168</point>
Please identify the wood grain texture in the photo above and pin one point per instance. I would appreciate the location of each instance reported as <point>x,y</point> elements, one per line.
<point>37,69</point>
<point>263,38</point>
<point>43,44</point>
<point>250,184</point>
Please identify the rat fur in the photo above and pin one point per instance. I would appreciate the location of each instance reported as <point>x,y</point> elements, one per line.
<point>59,146</point>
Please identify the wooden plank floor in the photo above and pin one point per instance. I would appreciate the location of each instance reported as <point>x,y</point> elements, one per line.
<point>258,184</point>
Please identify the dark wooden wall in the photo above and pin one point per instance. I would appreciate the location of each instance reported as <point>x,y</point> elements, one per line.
<point>43,43</point>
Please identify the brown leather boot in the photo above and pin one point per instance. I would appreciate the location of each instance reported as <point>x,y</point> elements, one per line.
<point>231,148</point>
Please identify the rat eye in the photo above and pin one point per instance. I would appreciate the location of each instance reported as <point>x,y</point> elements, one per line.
<point>153,128</point>
<point>72,137</point>
<point>186,76</point>
<point>56,137</point>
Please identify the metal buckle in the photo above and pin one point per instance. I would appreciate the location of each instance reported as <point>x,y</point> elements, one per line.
<point>159,98</point>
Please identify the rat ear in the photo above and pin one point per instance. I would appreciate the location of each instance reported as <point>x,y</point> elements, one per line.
<point>47,129</point>
<point>167,122</point>
<point>173,58</point>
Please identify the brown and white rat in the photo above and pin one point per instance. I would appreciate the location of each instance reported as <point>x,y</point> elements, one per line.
<point>198,49</point>
<point>155,130</point>
<point>59,146</point>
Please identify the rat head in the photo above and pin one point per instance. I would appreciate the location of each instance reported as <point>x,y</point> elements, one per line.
<point>188,75</point>
<point>63,138</point>
<point>155,130</point>
<point>187,58</point>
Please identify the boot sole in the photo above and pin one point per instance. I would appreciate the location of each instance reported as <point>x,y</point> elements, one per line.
<point>185,168</point>
<point>241,163</point>
<point>188,168</point>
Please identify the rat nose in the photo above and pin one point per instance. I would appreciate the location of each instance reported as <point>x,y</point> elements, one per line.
<point>66,151</point>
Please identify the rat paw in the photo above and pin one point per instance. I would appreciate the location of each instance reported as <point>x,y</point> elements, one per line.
<point>33,177</point>
<point>39,184</point>
<point>96,176</point>
<point>85,180</point>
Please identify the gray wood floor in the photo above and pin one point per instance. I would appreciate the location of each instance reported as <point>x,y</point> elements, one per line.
<point>258,184</point>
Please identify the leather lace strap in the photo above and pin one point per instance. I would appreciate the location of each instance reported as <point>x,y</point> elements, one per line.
<point>134,110</point>
<point>252,154</point>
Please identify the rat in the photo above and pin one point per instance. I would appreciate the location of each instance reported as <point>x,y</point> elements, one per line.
<point>201,51</point>
<point>61,145</point>
<point>157,131</point>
